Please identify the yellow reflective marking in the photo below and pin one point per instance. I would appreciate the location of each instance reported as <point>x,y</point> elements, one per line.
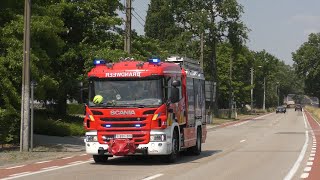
<point>155,117</point>
<point>91,117</point>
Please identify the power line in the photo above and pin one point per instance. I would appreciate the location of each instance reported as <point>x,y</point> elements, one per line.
<point>137,20</point>
<point>138,15</point>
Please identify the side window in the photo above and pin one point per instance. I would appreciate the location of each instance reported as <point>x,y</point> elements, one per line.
<point>168,86</point>
<point>180,87</point>
<point>191,101</point>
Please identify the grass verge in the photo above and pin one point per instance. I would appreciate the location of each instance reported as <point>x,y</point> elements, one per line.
<point>314,111</point>
<point>219,121</point>
<point>48,123</point>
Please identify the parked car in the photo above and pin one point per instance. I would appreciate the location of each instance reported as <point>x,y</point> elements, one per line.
<point>298,107</point>
<point>281,109</point>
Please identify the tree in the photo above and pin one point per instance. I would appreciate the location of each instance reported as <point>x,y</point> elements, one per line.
<point>307,64</point>
<point>219,21</point>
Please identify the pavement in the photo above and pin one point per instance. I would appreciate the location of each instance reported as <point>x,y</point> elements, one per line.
<point>68,143</point>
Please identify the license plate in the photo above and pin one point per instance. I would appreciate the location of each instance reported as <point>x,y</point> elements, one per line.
<point>123,136</point>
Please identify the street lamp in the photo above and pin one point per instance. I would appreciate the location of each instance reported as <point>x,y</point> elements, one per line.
<point>264,91</point>
<point>278,92</point>
<point>251,70</point>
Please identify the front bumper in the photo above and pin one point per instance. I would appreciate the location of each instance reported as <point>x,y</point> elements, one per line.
<point>152,148</point>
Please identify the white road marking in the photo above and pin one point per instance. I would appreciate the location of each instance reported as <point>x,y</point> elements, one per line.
<point>296,165</point>
<point>309,163</point>
<point>42,162</point>
<point>153,177</point>
<point>263,116</point>
<point>313,151</point>
<point>19,174</point>
<point>47,170</point>
<point>83,154</point>
<point>243,140</point>
<point>307,169</point>
<point>304,175</point>
<point>239,124</point>
<point>75,162</point>
<point>13,167</point>
<point>311,158</point>
<point>67,157</point>
<point>312,155</point>
<point>51,167</point>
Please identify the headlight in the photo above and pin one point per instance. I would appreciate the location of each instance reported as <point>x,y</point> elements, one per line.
<point>91,138</point>
<point>158,137</point>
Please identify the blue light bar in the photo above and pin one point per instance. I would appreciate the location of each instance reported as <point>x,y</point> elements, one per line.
<point>99,62</point>
<point>108,125</point>
<point>154,61</point>
<point>138,125</point>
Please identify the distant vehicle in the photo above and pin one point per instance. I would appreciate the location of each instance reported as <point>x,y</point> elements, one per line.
<point>298,107</point>
<point>281,109</point>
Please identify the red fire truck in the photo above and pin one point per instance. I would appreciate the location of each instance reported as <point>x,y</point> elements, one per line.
<point>145,108</point>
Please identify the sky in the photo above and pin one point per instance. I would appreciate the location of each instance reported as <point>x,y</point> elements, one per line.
<point>278,26</point>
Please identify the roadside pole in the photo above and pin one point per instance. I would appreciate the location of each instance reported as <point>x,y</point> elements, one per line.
<point>25,94</point>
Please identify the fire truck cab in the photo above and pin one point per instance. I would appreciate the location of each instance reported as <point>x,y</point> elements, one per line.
<point>145,108</point>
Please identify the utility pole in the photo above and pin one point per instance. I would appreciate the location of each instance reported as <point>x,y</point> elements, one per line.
<point>201,50</point>
<point>127,43</point>
<point>264,94</point>
<point>251,69</point>
<point>230,89</point>
<point>25,94</point>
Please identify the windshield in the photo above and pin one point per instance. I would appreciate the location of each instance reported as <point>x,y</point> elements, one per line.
<point>125,93</point>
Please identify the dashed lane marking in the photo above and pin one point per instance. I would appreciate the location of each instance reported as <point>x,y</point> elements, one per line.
<point>304,175</point>
<point>153,177</point>
<point>51,167</point>
<point>42,162</point>
<point>15,167</point>
<point>243,140</point>
<point>76,162</point>
<point>46,170</point>
<point>67,157</point>
<point>307,169</point>
<point>311,158</point>
<point>309,163</point>
<point>19,174</point>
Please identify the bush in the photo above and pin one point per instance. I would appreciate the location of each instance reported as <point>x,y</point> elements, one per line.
<point>9,126</point>
<point>48,123</point>
<point>75,109</point>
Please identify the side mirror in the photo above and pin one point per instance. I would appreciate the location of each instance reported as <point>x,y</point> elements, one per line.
<point>176,83</point>
<point>174,95</point>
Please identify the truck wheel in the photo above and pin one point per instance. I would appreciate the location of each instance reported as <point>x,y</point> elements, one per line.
<point>196,150</point>
<point>100,158</point>
<point>171,158</point>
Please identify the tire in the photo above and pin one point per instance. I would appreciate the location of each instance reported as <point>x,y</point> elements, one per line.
<point>196,150</point>
<point>100,158</point>
<point>171,158</point>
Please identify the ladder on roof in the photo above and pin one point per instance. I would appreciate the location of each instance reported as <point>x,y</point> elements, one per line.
<point>186,63</point>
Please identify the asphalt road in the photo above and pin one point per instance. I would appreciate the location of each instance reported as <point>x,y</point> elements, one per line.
<point>275,146</point>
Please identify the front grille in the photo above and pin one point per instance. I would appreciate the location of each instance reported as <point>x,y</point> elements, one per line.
<point>123,125</point>
<point>141,137</point>
<point>124,119</point>
<point>127,123</point>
